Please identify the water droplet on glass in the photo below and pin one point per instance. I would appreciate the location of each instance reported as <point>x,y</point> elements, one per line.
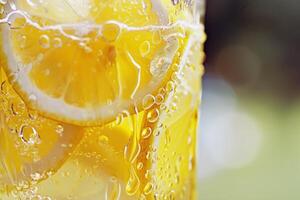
<point>153,115</point>
<point>146,132</point>
<point>148,101</point>
<point>29,135</point>
<point>44,41</point>
<point>145,48</point>
<point>133,183</point>
<point>111,32</point>
<point>148,188</point>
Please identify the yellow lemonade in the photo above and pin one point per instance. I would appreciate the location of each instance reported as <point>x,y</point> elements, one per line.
<point>99,99</point>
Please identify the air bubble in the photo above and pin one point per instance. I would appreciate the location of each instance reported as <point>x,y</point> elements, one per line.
<point>110,32</point>
<point>60,130</point>
<point>16,20</point>
<point>163,107</point>
<point>146,132</point>
<point>153,115</point>
<point>148,101</point>
<point>44,41</point>
<point>159,99</point>
<point>35,176</point>
<point>57,42</point>
<point>103,139</point>
<point>17,108</point>
<point>140,166</point>
<point>145,48</point>
<point>29,135</point>
<point>133,183</point>
<point>170,86</point>
<point>148,188</point>
<point>85,47</point>
<point>159,65</point>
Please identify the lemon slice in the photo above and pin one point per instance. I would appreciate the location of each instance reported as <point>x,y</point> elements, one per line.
<point>86,73</point>
<point>168,153</point>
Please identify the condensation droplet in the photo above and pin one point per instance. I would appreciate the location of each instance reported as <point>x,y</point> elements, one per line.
<point>145,48</point>
<point>153,115</point>
<point>148,101</point>
<point>29,135</point>
<point>148,188</point>
<point>44,41</point>
<point>146,132</point>
<point>133,183</point>
<point>111,32</point>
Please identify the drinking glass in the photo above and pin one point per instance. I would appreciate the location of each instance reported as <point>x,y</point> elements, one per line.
<point>99,98</point>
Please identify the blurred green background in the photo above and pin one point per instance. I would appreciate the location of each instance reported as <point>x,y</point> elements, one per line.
<point>250,115</point>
